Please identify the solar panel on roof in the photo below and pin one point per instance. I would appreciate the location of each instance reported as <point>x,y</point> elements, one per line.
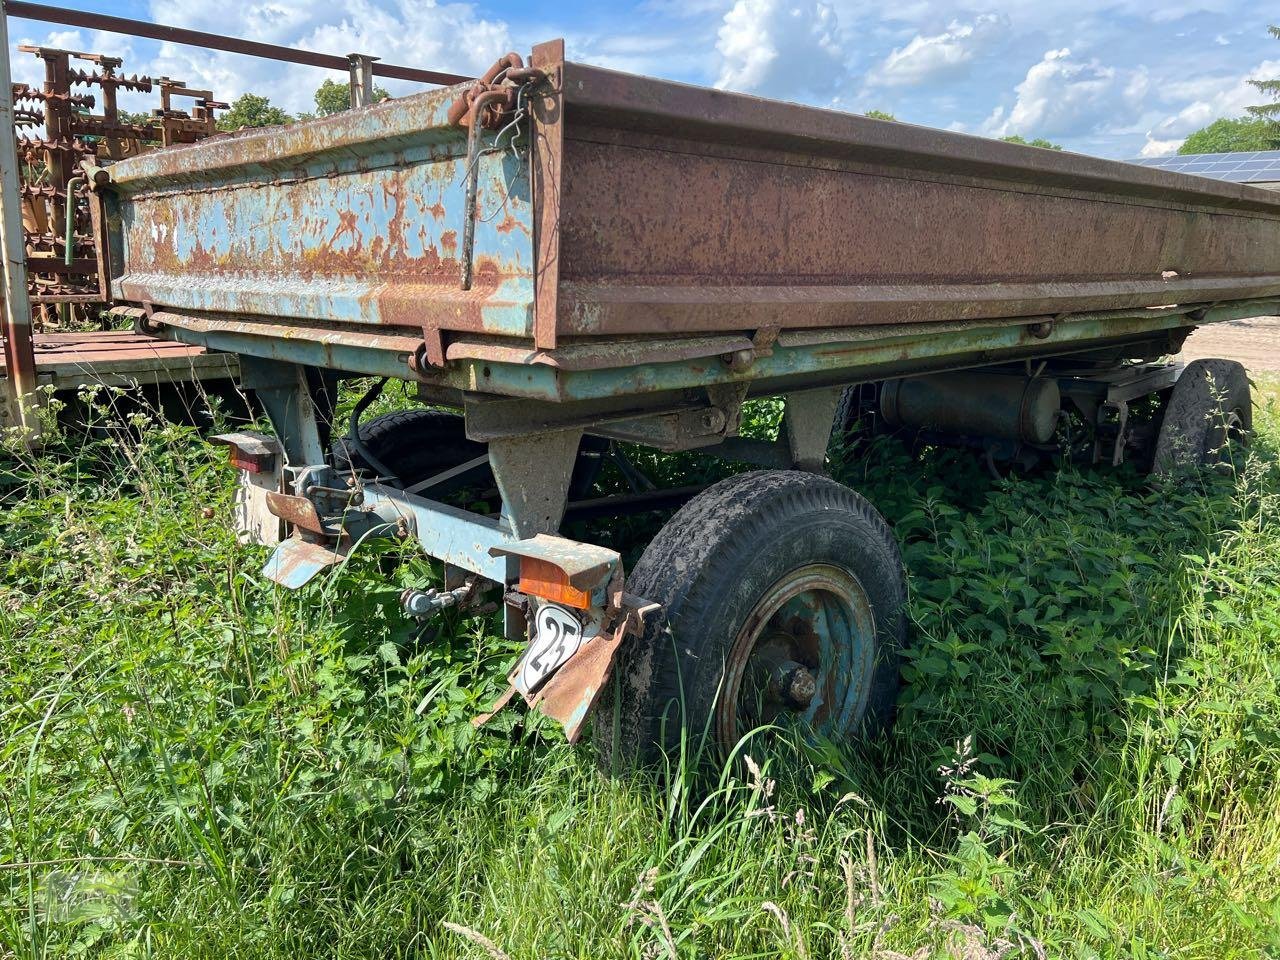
<point>1251,166</point>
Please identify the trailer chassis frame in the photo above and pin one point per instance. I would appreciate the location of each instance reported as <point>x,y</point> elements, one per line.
<point>532,447</point>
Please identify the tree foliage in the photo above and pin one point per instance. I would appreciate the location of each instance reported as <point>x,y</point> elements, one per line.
<point>142,118</point>
<point>1231,135</point>
<point>333,97</point>
<point>251,110</point>
<point>880,115</point>
<point>1269,113</point>
<point>1037,142</point>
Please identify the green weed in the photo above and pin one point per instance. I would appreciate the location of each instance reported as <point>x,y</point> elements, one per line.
<point>194,763</point>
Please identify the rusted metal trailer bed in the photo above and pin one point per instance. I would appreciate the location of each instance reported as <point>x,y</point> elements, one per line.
<point>558,250</point>
<point>176,377</point>
<point>70,361</point>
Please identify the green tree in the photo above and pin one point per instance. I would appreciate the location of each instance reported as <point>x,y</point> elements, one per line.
<point>142,118</point>
<point>251,110</point>
<point>1269,113</point>
<point>1037,142</point>
<point>879,115</point>
<point>333,97</point>
<point>1231,136</point>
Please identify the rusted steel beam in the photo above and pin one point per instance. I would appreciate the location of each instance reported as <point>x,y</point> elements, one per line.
<point>546,175</point>
<point>19,383</point>
<point>213,41</point>
<point>685,209</point>
<point>598,97</point>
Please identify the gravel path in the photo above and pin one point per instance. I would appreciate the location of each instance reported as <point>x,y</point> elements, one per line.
<point>1254,342</point>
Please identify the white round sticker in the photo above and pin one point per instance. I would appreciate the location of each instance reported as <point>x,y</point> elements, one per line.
<point>557,635</point>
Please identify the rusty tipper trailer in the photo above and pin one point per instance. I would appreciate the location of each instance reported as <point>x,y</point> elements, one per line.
<point>568,257</point>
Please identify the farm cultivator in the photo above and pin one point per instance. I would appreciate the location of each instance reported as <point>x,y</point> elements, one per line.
<point>57,131</point>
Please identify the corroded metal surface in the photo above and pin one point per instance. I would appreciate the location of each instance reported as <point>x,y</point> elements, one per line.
<point>119,357</point>
<point>354,218</point>
<point>692,209</point>
<point>639,215</point>
<point>585,565</point>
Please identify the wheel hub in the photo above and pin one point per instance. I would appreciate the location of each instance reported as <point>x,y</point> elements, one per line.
<point>804,657</point>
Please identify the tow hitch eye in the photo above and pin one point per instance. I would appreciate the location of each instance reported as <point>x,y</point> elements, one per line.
<point>422,604</point>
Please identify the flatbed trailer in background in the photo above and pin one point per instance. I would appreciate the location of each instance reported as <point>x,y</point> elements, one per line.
<point>573,258</point>
<point>174,377</point>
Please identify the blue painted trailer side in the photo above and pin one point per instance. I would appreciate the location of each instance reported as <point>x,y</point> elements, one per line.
<point>354,218</point>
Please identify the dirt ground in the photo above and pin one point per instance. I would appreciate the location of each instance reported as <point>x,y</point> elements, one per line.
<point>1254,342</point>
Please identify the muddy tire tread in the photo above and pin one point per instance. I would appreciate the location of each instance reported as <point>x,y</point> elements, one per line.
<point>704,544</point>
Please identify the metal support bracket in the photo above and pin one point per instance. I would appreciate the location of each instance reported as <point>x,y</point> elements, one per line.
<point>533,476</point>
<point>679,430</point>
<point>807,423</point>
<point>1116,454</point>
<point>286,394</point>
<point>703,425</point>
<point>361,79</point>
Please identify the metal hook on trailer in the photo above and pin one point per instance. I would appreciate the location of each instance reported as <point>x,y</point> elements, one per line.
<point>506,81</point>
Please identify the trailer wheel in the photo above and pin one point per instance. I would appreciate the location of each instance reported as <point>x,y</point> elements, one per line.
<point>1209,410</point>
<point>781,594</point>
<point>854,416</point>
<point>420,443</point>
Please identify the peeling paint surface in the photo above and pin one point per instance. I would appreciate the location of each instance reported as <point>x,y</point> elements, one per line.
<point>348,219</point>
<point>666,214</point>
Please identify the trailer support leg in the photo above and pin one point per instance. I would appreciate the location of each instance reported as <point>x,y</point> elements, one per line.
<point>299,404</point>
<point>533,475</point>
<point>807,422</point>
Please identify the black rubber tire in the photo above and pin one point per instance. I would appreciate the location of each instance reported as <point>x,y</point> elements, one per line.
<point>708,567</point>
<point>1210,402</point>
<point>417,444</point>
<point>847,409</point>
<point>851,421</point>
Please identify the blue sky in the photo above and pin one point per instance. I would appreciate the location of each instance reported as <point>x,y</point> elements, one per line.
<point>1116,78</point>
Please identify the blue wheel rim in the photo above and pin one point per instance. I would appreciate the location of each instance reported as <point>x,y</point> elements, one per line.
<point>804,657</point>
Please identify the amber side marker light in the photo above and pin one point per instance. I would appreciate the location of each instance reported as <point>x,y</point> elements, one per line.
<point>254,463</point>
<point>255,453</point>
<point>544,579</point>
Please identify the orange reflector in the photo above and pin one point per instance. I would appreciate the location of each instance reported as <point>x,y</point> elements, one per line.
<point>251,462</point>
<point>544,579</point>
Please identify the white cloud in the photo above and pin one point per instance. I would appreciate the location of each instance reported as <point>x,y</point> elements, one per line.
<point>1159,148</point>
<point>1209,100</point>
<point>451,37</point>
<point>1063,97</point>
<point>928,59</point>
<point>781,49</point>
<point>648,54</point>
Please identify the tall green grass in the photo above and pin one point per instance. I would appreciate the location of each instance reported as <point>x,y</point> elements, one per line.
<point>195,764</point>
